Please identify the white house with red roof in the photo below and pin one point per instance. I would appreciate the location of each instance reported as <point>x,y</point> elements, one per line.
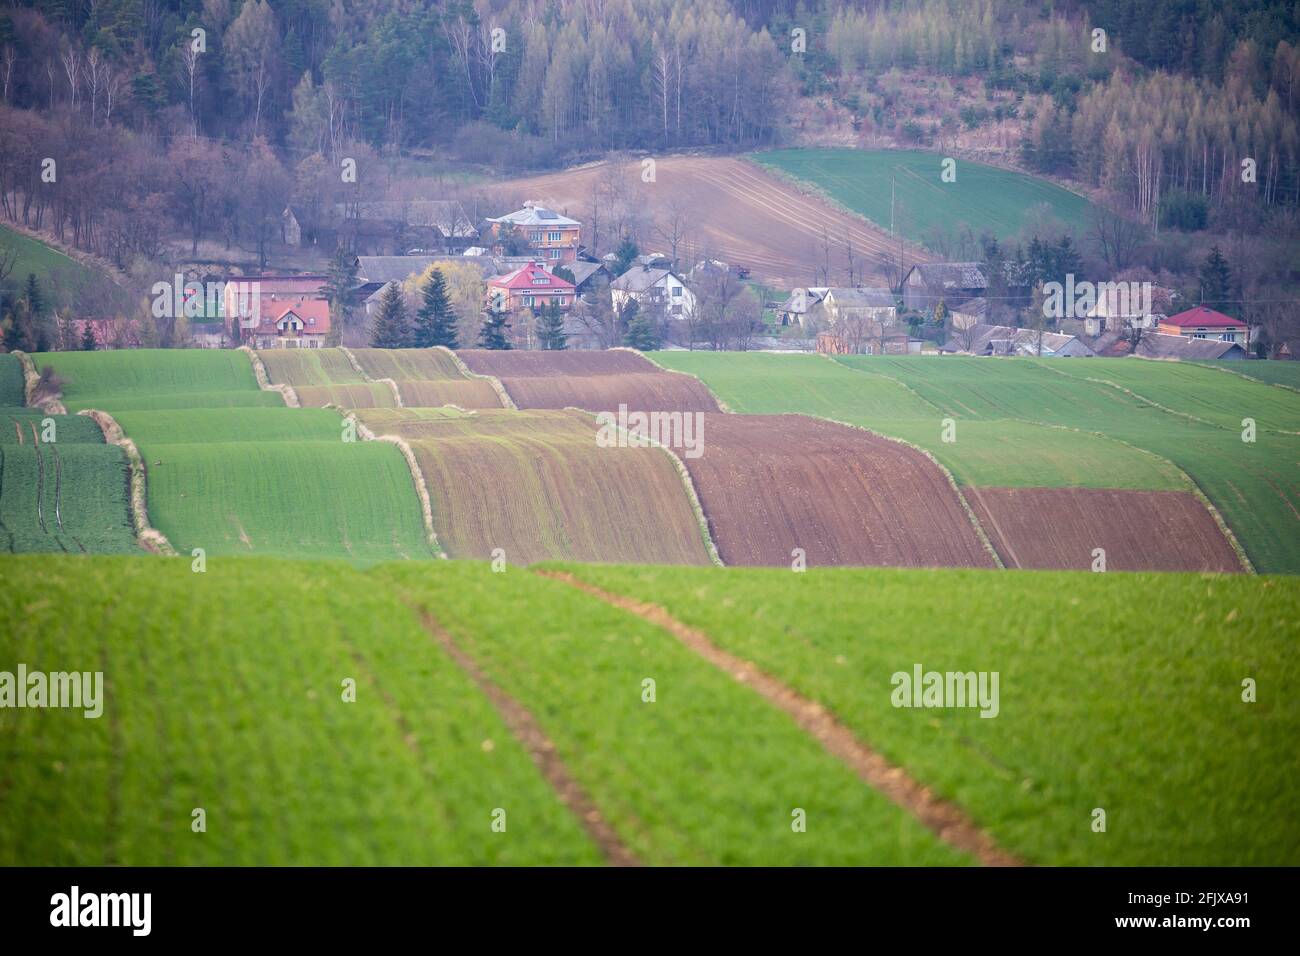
<point>529,287</point>
<point>1202,322</point>
<point>301,324</point>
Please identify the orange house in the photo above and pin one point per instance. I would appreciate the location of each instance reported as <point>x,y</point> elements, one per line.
<point>553,238</point>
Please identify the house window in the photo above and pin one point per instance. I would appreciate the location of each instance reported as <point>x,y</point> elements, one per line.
<point>677,309</point>
<point>555,236</point>
<point>535,237</point>
<point>1199,335</point>
<point>677,292</point>
<point>553,253</point>
<point>562,300</point>
<point>541,282</point>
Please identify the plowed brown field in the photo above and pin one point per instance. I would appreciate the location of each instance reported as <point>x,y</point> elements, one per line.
<point>1139,530</point>
<point>536,485</point>
<point>773,483</point>
<point>596,381</point>
<point>735,211</point>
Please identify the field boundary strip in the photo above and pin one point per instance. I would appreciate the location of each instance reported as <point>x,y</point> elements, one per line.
<point>286,392</point>
<point>945,819</point>
<point>497,385</point>
<point>521,723</point>
<point>147,536</point>
<point>31,379</point>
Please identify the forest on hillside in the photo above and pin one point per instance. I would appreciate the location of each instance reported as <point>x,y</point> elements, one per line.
<point>172,122</point>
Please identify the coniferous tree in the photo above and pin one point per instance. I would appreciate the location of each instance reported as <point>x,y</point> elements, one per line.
<point>435,322</point>
<point>390,328</point>
<point>641,332</point>
<point>35,300</point>
<point>550,328</point>
<point>338,289</point>
<point>88,338</point>
<point>494,333</point>
<point>1216,279</point>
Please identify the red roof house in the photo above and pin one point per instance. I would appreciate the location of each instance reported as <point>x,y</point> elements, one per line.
<point>303,323</point>
<point>528,287</point>
<point>1202,322</point>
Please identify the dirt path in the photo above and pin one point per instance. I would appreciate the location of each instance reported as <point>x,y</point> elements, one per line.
<point>523,725</point>
<point>947,820</point>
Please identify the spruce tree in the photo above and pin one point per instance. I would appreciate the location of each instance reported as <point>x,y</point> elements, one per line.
<point>435,323</point>
<point>35,301</point>
<point>88,338</point>
<point>493,335</point>
<point>641,333</point>
<point>1216,279</point>
<point>389,329</point>
<point>550,328</point>
<point>338,289</point>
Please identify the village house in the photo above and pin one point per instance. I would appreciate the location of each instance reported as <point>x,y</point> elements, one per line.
<point>1006,340</point>
<point>528,288</point>
<point>589,276</point>
<point>658,291</point>
<point>795,309</point>
<point>1183,348</point>
<point>550,237</point>
<point>246,299</point>
<point>303,324</point>
<point>1115,311</point>
<point>1202,322</point>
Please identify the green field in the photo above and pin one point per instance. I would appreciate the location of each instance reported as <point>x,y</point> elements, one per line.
<point>982,197</point>
<point>62,489</point>
<point>12,390</point>
<point>49,264</point>
<point>276,481</point>
<point>1116,691</point>
<point>224,693</point>
<point>156,379</point>
<point>1006,452</point>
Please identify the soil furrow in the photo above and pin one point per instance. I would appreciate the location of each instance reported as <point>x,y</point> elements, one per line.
<point>945,819</point>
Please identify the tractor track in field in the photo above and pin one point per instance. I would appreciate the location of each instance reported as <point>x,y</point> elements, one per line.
<point>40,482</point>
<point>58,487</point>
<point>948,821</point>
<point>541,749</point>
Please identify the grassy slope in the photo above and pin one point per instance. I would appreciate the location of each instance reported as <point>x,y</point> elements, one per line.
<point>1007,453</point>
<point>81,482</point>
<point>275,481</point>
<point>157,379</point>
<point>224,692</point>
<point>1116,691</point>
<point>708,773</point>
<point>46,261</point>
<point>982,197</point>
<point>1253,485</point>
<point>82,489</point>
